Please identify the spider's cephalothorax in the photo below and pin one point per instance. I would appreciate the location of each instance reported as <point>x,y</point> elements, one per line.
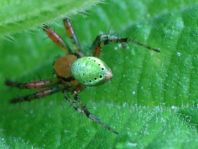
<point>74,71</point>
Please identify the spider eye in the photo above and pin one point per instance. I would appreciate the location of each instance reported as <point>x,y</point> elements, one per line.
<point>90,71</point>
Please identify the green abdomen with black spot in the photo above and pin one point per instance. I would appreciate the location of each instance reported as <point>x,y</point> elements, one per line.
<point>90,71</point>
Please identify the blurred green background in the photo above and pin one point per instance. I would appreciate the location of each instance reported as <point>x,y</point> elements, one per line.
<point>152,98</point>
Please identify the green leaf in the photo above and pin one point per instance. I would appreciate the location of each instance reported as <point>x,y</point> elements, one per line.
<point>20,15</point>
<point>151,100</point>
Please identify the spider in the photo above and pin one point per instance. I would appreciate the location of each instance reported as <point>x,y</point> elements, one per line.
<point>74,71</point>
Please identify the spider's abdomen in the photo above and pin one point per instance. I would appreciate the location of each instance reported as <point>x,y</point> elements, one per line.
<point>90,71</point>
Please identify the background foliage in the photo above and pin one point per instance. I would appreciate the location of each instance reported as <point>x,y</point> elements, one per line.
<point>152,98</point>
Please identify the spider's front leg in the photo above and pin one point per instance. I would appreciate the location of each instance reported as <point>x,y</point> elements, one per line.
<point>36,95</point>
<point>72,35</point>
<point>44,88</point>
<point>31,85</point>
<point>75,102</point>
<point>56,38</point>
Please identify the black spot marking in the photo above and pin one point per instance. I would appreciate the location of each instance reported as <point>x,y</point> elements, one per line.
<point>102,68</point>
<point>100,76</point>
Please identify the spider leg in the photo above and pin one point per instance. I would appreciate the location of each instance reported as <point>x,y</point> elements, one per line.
<point>30,85</point>
<point>36,95</point>
<point>75,102</point>
<point>105,39</point>
<point>70,32</point>
<point>56,38</point>
<point>143,45</point>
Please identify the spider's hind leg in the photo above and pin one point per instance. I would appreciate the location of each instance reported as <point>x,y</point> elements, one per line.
<point>104,39</point>
<point>75,102</point>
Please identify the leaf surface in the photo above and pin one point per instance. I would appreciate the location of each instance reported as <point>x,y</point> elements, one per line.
<point>151,100</point>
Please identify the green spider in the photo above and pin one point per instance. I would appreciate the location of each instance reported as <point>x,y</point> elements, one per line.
<point>74,71</point>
